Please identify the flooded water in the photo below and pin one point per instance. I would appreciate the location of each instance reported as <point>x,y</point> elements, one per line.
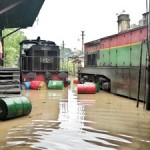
<point>65,120</point>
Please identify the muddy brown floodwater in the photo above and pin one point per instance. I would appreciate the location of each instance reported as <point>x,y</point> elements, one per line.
<point>65,120</point>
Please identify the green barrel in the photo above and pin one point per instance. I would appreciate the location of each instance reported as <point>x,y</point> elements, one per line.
<point>13,107</point>
<point>97,86</point>
<point>55,84</point>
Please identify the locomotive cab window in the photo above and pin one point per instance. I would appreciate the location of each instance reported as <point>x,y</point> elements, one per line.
<point>25,47</point>
<point>91,60</point>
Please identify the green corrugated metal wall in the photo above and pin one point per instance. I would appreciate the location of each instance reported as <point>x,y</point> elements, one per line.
<point>123,56</point>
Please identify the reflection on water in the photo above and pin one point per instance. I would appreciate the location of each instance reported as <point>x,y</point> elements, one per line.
<point>71,113</point>
<point>77,127</point>
<point>49,135</point>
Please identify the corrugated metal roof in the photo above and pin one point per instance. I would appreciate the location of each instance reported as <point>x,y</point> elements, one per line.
<point>19,13</point>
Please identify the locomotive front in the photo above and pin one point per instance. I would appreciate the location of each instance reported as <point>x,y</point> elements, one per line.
<point>40,61</point>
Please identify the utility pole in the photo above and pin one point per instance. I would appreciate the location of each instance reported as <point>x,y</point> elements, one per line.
<point>148,84</point>
<point>82,40</point>
<point>63,47</point>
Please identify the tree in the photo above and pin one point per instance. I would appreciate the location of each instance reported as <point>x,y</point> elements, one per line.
<point>12,47</point>
<point>134,26</point>
<point>66,52</point>
<point>67,60</point>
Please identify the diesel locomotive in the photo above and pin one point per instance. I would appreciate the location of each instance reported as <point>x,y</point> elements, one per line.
<point>119,62</point>
<point>40,61</point>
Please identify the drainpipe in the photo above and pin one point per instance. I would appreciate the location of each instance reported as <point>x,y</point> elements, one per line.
<point>139,80</point>
<point>148,84</point>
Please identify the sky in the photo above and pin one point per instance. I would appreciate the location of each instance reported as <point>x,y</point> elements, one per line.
<point>63,20</point>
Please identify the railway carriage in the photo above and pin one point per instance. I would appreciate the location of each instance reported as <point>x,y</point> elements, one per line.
<point>118,62</point>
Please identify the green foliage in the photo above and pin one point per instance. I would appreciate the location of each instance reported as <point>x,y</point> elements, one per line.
<point>66,52</point>
<point>66,62</point>
<point>12,47</point>
<point>134,26</point>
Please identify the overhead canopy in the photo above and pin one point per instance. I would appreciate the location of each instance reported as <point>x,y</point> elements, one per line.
<point>19,13</point>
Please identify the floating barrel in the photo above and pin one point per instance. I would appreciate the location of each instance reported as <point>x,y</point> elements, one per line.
<point>64,81</point>
<point>13,107</point>
<point>37,85</point>
<point>68,82</point>
<point>86,88</point>
<point>25,85</point>
<point>55,84</point>
<point>88,83</point>
<point>97,86</point>
<point>76,81</point>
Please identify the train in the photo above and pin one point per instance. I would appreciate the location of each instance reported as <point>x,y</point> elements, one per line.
<point>40,61</point>
<point>119,62</point>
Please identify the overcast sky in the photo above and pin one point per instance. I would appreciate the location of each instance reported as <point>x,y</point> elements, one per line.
<point>63,20</point>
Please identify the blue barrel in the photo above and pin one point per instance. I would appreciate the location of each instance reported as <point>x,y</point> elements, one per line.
<point>25,85</point>
<point>13,107</point>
